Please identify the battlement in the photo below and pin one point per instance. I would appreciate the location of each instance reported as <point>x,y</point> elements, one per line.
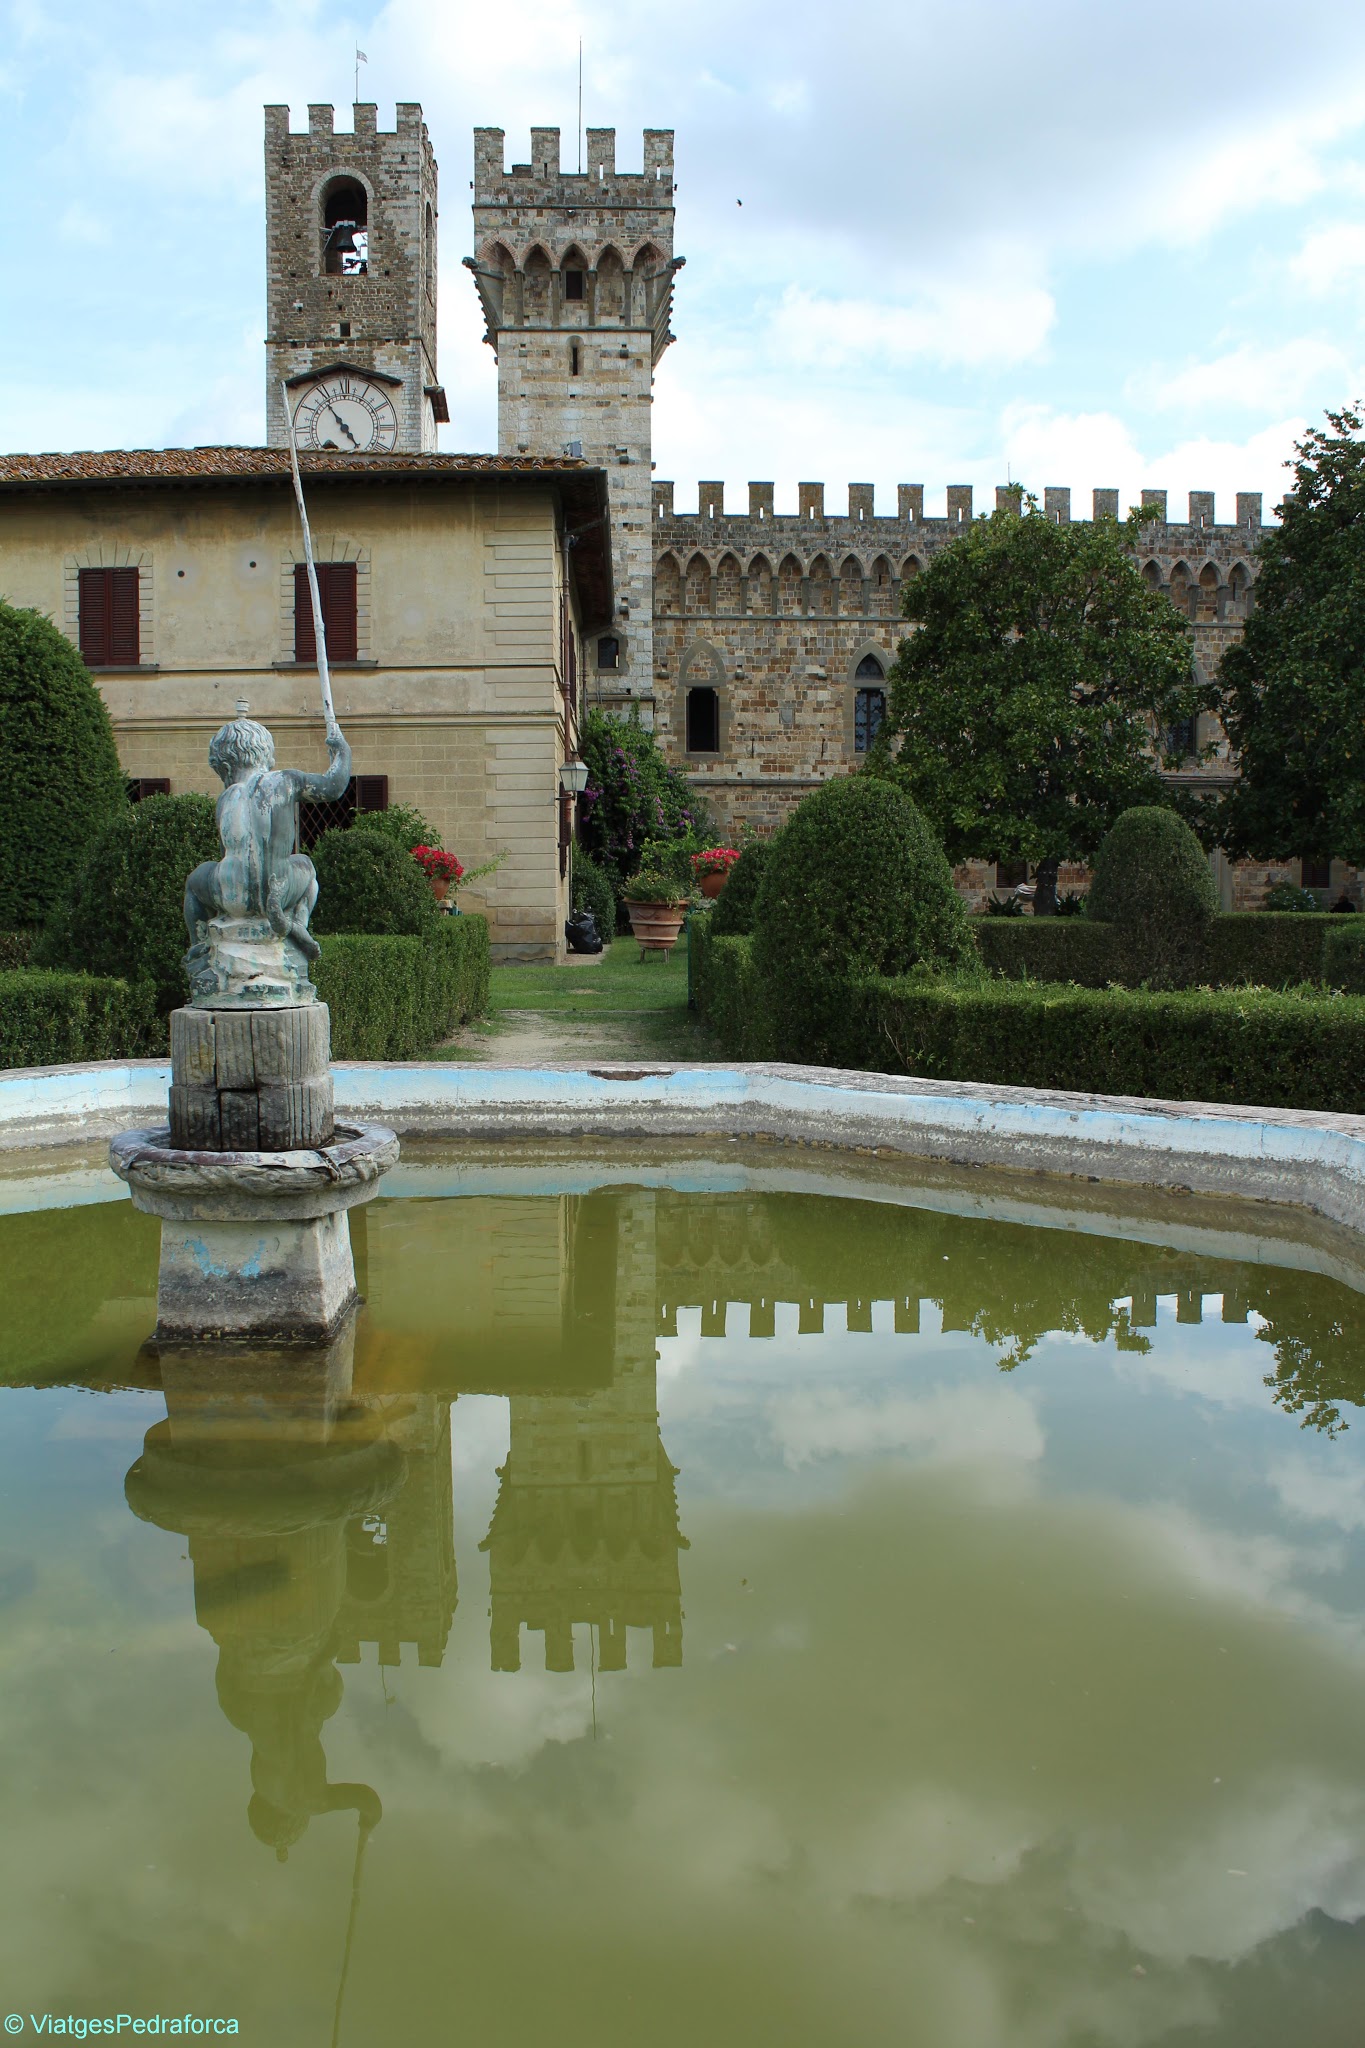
<point>322,129</point>
<point>542,182</point>
<point>861,514</point>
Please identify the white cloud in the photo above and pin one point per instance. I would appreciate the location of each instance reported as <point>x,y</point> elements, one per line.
<point>1330,257</point>
<point>973,321</point>
<point>963,1425</point>
<point>1261,379</point>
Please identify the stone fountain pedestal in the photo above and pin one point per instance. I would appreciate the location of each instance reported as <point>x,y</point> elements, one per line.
<point>252,1179</point>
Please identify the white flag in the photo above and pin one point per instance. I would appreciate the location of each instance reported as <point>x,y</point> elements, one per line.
<point>361,58</point>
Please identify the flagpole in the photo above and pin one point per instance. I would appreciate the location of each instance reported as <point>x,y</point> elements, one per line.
<point>319,630</point>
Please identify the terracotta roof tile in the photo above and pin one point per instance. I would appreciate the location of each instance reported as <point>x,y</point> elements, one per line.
<point>168,465</point>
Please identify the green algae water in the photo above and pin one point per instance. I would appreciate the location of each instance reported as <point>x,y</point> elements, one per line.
<point>699,1601</point>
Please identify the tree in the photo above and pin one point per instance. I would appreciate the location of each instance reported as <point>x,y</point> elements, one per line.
<point>60,780</point>
<point>1032,705</point>
<point>1292,693</point>
<point>632,795</point>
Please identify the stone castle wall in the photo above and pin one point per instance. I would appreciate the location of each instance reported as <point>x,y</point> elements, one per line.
<point>384,320</point>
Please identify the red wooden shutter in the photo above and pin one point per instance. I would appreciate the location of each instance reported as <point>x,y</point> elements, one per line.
<point>94,615</point>
<point>109,617</point>
<point>337,592</point>
<point>123,616</point>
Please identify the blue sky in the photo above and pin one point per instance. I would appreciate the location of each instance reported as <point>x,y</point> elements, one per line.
<point>1084,244</point>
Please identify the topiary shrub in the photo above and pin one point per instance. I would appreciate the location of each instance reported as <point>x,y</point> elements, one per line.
<point>1152,883</point>
<point>732,915</point>
<point>403,823</point>
<point>592,891</point>
<point>367,883</point>
<point>125,912</point>
<point>59,767</point>
<point>1343,956</point>
<point>856,884</point>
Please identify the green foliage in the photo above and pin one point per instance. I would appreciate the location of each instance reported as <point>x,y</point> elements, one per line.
<point>1295,1051</point>
<point>125,914</point>
<point>726,990</point>
<point>391,997</point>
<point>51,1019</point>
<point>632,795</point>
<point>592,890</point>
<point>1292,693</point>
<point>1262,949</point>
<point>1073,904</point>
<point>656,882</point>
<point>368,883</point>
<point>1021,714</point>
<point>1288,896</point>
<point>1343,955</point>
<point>403,823</point>
<point>16,948</point>
<point>1004,906</point>
<point>1153,885</point>
<point>59,767</point>
<point>733,910</point>
<point>856,884</point>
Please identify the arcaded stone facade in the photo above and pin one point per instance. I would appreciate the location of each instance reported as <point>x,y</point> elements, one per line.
<point>322,308</point>
<point>575,276</point>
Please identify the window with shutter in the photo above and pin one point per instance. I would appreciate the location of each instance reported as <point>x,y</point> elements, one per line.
<point>109,605</point>
<point>337,592</point>
<point>140,786</point>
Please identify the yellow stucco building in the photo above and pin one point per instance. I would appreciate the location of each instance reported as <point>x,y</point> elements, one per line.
<point>457,590</point>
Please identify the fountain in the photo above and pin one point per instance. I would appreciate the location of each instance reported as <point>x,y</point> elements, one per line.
<point>252,1177</point>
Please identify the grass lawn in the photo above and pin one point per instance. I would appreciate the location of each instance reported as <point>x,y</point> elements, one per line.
<point>620,981</point>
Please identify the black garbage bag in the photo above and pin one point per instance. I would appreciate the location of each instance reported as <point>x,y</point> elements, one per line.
<point>582,934</point>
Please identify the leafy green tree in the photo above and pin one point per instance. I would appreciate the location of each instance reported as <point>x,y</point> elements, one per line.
<point>1292,692</point>
<point>1033,703</point>
<point>59,767</point>
<point>632,796</point>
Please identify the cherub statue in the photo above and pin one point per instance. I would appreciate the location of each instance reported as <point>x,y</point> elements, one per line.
<point>260,877</point>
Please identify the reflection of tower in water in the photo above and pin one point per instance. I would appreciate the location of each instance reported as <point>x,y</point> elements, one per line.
<point>586,1523</point>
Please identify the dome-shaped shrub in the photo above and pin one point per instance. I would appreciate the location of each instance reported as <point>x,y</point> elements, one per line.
<point>60,780</point>
<point>1152,882</point>
<point>366,883</point>
<point>855,884</point>
<point>125,912</point>
<point>733,913</point>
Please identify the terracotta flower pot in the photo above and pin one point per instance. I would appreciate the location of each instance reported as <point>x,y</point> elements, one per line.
<point>656,925</point>
<point>711,885</point>
<point>440,887</point>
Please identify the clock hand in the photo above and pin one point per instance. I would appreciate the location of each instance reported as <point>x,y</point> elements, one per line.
<point>343,426</point>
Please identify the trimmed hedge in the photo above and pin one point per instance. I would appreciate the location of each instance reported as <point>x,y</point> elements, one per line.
<point>1343,955</point>
<point>1266,949</point>
<point>733,914</point>
<point>1153,886</point>
<point>725,988</point>
<point>369,884</point>
<point>1198,1045</point>
<point>393,996</point>
<point>53,1019</point>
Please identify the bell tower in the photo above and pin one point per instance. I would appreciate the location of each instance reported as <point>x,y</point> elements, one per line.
<point>575,274</point>
<point>351,281</point>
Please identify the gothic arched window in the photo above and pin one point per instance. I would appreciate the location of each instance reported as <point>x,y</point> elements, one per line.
<point>703,721</point>
<point>608,651</point>
<point>869,702</point>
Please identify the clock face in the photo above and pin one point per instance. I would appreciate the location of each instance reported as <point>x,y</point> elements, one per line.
<point>348,412</point>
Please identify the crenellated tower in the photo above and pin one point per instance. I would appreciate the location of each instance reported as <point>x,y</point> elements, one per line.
<point>351,281</point>
<point>575,274</point>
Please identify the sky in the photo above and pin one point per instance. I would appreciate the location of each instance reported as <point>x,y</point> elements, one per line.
<point>1081,242</point>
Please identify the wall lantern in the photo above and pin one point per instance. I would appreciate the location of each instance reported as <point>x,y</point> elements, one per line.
<point>573,778</point>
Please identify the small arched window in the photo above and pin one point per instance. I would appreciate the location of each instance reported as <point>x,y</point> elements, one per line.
<point>575,360</point>
<point>345,229</point>
<point>703,721</point>
<point>608,651</point>
<point>869,706</point>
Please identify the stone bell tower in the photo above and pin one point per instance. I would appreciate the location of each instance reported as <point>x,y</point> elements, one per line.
<point>351,270</point>
<point>575,273</point>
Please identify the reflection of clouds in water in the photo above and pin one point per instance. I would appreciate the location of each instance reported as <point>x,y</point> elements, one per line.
<point>1214,1361</point>
<point>1320,1490</point>
<point>946,1426</point>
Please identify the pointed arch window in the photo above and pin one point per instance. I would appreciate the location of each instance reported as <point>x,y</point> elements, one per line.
<point>869,702</point>
<point>703,721</point>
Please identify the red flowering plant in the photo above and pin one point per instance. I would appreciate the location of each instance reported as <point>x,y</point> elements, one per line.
<point>436,864</point>
<point>716,860</point>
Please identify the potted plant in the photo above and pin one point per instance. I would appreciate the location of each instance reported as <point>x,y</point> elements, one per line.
<point>712,868</point>
<point>439,867</point>
<point>656,906</point>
